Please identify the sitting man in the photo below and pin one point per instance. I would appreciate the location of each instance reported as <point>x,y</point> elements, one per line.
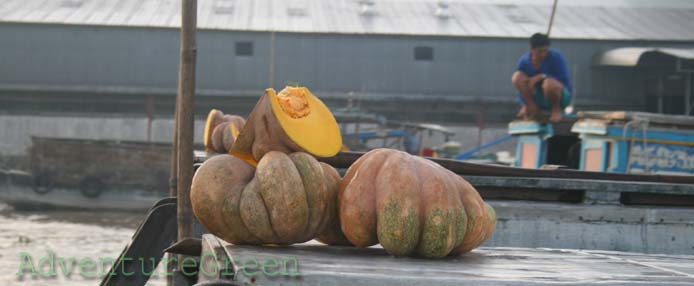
<point>543,80</point>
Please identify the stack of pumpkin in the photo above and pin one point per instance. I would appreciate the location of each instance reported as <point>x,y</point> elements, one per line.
<point>270,189</point>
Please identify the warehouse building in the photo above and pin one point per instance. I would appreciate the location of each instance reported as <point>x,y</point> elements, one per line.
<point>434,61</point>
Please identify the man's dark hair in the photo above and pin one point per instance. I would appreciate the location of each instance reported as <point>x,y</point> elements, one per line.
<point>539,40</point>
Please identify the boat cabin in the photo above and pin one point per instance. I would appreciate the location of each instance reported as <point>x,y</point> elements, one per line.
<point>609,141</point>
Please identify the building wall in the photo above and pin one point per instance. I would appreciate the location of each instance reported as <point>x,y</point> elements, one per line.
<point>146,60</point>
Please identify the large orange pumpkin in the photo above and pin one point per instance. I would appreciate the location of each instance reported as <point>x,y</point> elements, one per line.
<point>286,199</point>
<point>411,206</point>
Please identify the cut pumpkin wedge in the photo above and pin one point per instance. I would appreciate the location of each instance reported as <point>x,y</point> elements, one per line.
<point>293,120</point>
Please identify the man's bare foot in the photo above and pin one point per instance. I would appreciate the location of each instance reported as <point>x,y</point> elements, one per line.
<point>555,115</point>
<point>523,113</point>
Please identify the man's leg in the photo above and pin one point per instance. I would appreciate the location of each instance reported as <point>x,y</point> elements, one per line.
<point>521,81</point>
<point>552,89</point>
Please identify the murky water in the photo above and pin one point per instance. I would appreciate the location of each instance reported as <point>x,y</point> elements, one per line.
<point>28,240</point>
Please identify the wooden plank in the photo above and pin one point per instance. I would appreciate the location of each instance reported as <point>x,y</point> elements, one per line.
<point>315,264</point>
<point>345,159</point>
<point>214,263</point>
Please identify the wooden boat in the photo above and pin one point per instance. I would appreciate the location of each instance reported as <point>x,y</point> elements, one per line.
<point>609,141</point>
<point>541,222</point>
<point>89,174</point>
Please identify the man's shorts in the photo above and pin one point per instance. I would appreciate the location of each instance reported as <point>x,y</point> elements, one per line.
<point>544,103</point>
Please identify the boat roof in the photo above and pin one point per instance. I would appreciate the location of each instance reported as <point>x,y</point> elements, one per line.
<point>625,116</point>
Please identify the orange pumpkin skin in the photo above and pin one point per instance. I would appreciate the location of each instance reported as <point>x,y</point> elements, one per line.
<point>410,205</point>
<point>217,185</point>
<point>238,121</point>
<point>224,132</point>
<point>219,138</point>
<point>284,200</point>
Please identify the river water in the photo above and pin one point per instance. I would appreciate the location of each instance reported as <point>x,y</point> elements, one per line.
<point>32,241</point>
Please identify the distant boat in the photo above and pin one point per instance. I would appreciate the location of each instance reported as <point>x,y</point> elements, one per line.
<point>89,174</point>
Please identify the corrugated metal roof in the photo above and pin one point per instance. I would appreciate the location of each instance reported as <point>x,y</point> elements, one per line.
<point>575,19</point>
<point>630,56</point>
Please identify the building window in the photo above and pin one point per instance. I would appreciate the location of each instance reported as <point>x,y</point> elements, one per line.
<point>244,49</point>
<point>423,53</point>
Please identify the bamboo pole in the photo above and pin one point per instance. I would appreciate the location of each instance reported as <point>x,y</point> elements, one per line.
<point>551,17</point>
<point>186,94</point>
<point>170,267</point>
<point>173,191</point>
<point>271,70</point>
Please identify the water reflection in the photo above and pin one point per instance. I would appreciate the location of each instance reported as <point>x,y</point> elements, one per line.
<point>27,237</point>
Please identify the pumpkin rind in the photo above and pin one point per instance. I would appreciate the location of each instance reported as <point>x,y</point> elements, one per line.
<point>357,207</point>
<point>411,206</point>
<point>221,131</point>
<point>332,231</point>
<point>217,139</point>
<point>215,195</point>
<point>317,196</point>
<point>214,118</point>
<point>284,200</point>
<point>397,205</point>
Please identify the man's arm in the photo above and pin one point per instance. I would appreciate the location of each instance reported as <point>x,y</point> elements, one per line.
<point>525,66</point>
<point>535,79</point>
<point>560,70</point>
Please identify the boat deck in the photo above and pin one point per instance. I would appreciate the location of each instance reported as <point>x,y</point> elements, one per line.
<point>315,264</point>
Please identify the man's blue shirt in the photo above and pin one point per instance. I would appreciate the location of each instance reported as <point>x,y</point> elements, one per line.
<point>553,66</point>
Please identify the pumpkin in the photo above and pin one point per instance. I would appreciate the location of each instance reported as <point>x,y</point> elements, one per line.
<point>214,118</point>
<point>411,206</point>
<point>221,131</point>
<point>291,121</point>
<point>285,200</point>
<point>332,234</point>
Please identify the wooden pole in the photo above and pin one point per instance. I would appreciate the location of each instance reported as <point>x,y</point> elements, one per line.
<point>186,94</point>
<point>688,94</point>
<point>271,71</point>
<point>551,17</point>
<point>173,181</point>
<point>150,117</point>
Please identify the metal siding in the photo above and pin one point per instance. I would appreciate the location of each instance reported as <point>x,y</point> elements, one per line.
<point>378,65</point>
<point>88,56</point>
